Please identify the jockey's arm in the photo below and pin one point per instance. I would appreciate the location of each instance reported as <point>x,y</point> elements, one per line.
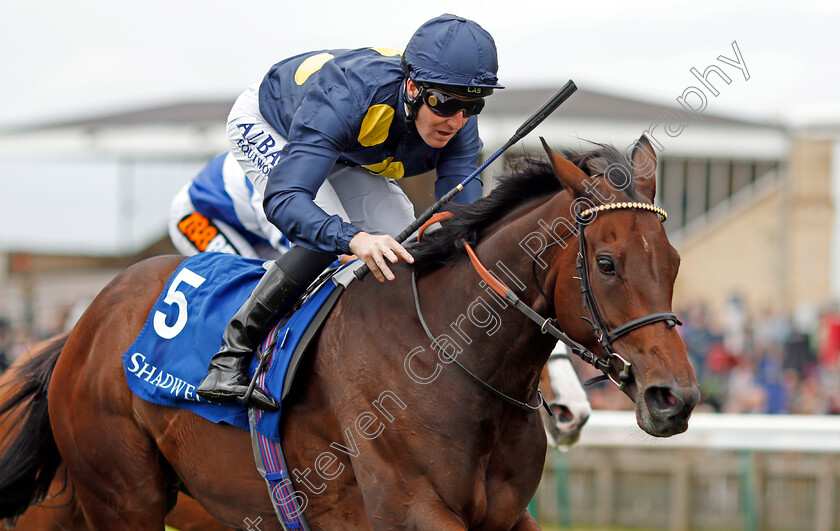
<point>289,200</point>
<point>289,205</point>
<point>316,141</point>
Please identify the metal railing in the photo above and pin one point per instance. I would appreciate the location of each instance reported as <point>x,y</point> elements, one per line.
<point>751,472</point>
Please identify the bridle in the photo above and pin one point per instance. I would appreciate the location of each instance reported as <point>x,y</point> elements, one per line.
<point>604,335</point>
<point>602,331</point>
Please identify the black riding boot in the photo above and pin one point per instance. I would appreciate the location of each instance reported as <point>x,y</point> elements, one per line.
<point>227,379</point>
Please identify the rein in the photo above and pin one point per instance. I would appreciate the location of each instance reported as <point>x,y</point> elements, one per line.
<point>604,335</point>
<point>438,217</point>
<point>521,405</point>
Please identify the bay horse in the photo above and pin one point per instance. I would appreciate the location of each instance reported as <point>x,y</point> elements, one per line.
<point>399,435</point>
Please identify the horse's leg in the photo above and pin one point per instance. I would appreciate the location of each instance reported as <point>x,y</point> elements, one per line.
<point>201,453</point>
<point>111,459</point>
<point>526,522</point>
<point>119,480</point>
<point>188,515</point>
<point>59,512</point>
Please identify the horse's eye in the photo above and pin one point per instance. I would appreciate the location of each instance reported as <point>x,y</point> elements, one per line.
<point>606,265</point>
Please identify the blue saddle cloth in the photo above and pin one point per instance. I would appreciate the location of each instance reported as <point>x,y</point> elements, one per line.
<point>170,356</point>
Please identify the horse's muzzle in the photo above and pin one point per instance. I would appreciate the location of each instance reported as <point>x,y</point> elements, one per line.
<point>668,408</point>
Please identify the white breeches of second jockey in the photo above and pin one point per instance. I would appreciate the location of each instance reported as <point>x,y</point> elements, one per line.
<point>375,204</point>
<point>191,232</point>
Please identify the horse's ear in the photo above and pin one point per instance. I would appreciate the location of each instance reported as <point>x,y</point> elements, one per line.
<point>567,173</point>
<point>643,160</point>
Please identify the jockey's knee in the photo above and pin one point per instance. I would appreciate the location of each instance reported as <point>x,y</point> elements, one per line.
<point>304,265</point>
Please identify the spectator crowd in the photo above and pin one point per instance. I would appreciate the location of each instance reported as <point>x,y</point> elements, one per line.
<point>766,363</point>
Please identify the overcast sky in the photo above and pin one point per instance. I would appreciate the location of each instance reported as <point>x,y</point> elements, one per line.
<point>65,59</point>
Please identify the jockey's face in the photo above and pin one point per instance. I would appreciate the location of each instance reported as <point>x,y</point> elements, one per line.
<point>435,130</point>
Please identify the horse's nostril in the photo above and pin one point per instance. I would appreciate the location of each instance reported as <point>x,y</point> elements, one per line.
<point>662,400</point>
<point>562,413</point>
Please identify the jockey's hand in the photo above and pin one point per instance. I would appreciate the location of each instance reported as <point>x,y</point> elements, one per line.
<point>343,259</point>
<point>374,249</point>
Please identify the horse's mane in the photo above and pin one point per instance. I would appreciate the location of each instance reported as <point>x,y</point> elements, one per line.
<point>530,178</point>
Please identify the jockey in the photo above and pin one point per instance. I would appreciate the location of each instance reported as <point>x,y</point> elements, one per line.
<point>219,211</point>
<point>322,137</point>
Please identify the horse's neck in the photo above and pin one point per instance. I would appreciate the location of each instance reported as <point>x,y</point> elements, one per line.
<point>500,344</point>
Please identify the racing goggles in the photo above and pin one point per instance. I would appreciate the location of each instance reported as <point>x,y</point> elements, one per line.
<point>444,104</point>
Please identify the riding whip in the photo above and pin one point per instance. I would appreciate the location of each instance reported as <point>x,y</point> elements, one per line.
<point>536,119</point>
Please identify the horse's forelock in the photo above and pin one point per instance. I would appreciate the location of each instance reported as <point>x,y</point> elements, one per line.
<point>601,161</point>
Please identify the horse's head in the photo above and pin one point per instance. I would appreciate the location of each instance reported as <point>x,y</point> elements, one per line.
<point>567,399</point>
<point>625,268</point>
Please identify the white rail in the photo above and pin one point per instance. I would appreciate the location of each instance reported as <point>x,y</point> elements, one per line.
<point>803,433</point>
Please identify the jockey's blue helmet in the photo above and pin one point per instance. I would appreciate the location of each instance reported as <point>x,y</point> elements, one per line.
<point>454,54</point>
